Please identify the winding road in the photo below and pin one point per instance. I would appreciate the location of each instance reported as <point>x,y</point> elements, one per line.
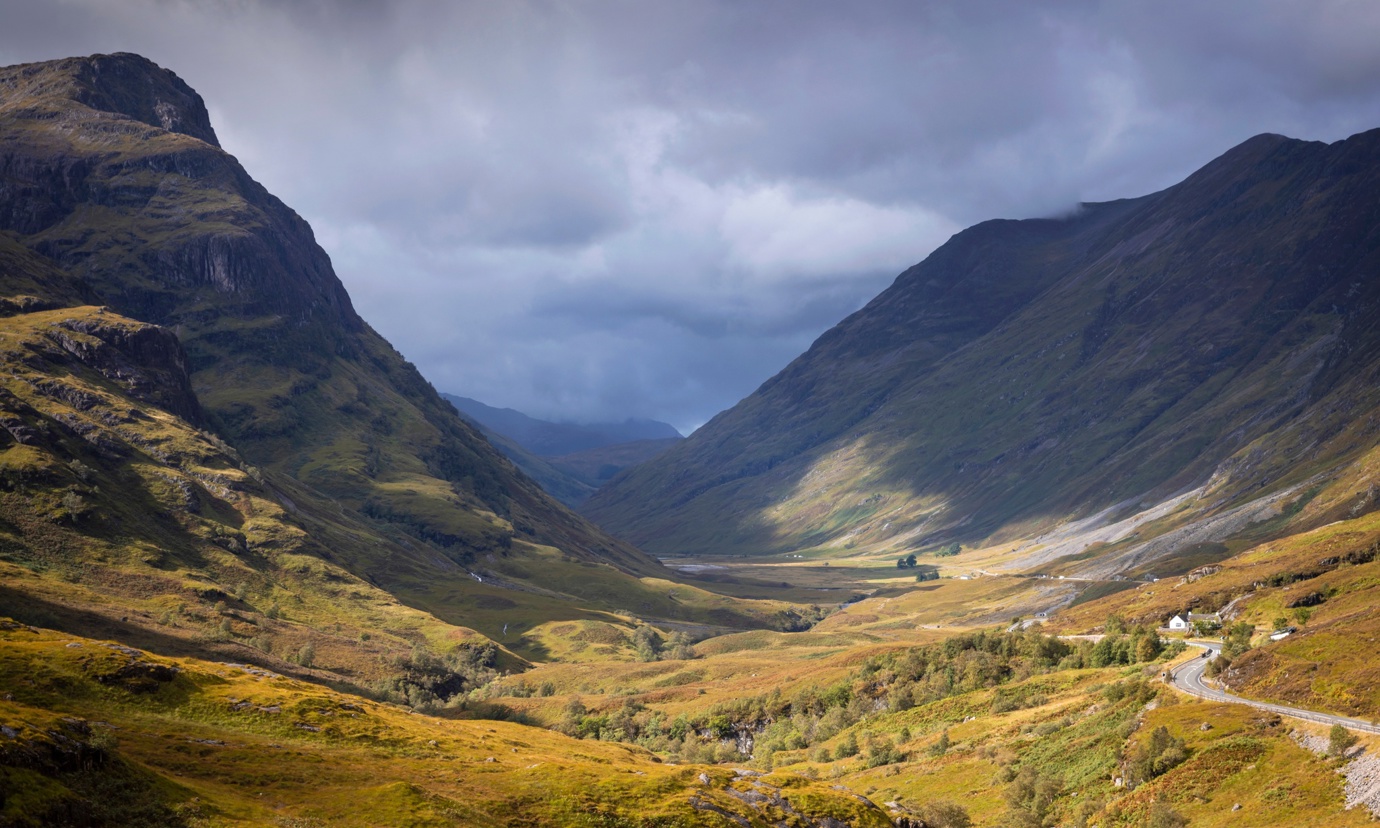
<point>1188,677</point>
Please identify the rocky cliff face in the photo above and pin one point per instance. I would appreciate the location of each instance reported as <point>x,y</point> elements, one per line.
<point>1217,336</point>
<point>135,196</point>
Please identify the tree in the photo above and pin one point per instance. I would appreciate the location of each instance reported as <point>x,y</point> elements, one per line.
<point>910,560</point>
<point>1030,799</point>
<point>1206,626</point>
<point>1339,740</point>
<point>1148,648</point>
<point>680,647</point>
<point>1163,752</point>
<point>647,642</point>
<point>901,563</point>
<point>1163,816</point>
<point>74,505</point>
<point>1237,640</point>
<point>940,747</point>
<point>848,747</point>
<point>944,814</point>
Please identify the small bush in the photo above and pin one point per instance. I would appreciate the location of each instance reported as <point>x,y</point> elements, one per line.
<point>941,746</point>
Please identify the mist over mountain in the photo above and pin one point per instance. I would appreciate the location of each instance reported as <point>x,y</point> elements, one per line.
<point>1215,342</point>
<point>551,439</point>
<point>569,460</point>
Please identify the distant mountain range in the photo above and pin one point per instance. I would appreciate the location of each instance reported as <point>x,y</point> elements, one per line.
<point>569,460</point>
<point>551,439</point>
<point>1125,385</point>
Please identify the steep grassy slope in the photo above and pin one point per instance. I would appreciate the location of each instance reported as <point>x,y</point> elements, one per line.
<point>118,515</point>
<point>1218,337</point>
<point>133,206</point>
<point>168,229</point>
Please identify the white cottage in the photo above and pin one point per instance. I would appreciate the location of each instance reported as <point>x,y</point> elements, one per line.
<point>1178,622</point>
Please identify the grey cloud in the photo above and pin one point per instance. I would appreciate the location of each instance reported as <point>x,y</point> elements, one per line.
<point>613,208</point>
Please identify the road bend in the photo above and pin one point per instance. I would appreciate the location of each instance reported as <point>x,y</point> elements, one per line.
<point>1188,677</point>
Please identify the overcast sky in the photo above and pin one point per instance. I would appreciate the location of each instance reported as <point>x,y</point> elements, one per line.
<point>590,210</point>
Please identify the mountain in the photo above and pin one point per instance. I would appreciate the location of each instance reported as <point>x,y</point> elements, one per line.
<point>596,466</point>
<point>550,439</point>
<point>207,450</point>
<point>569,460</point>
<point>1126,384</point>
<point>556,482</point>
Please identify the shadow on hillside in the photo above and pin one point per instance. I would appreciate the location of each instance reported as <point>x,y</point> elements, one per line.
<point>137,630</point>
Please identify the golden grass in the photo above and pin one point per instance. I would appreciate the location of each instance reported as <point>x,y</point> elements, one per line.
<point>237,747</point>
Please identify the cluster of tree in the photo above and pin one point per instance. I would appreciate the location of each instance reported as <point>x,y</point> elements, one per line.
<point>764,725</point>
<point>949,551</point>
<point>906,562</point>
<point>650,646</point>
<point>704,740</point>
<point>1236,641</point>
<point>1122,644</point>
<point>1030,798</point>
<point>798,620</point>
<point>1035,793</point>
<point>1206,626</point>
<point>1156,757</point>
<point>942,814</point>
<point>428,682</point>
<point>805,720</point>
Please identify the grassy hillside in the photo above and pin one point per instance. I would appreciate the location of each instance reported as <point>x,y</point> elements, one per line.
<point>1322,582</point>
<point>98,733</point>
<point>940,728</point>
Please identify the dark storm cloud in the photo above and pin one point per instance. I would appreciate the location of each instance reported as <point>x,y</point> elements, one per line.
<point>604,209</point>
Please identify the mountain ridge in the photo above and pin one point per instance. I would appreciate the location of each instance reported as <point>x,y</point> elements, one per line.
<point>941,401</point>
